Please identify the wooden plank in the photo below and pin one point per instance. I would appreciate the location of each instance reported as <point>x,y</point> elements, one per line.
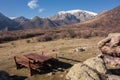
<point>37,57</point>
<point>22,60</point>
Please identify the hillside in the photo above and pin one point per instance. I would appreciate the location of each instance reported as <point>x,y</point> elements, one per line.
<point>108,19</point>
<point>65,47</point>
<point>6,23</point>
<point>37,22</point>
<point>101,25</point>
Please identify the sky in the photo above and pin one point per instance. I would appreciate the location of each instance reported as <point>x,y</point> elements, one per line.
<point>47,8</point>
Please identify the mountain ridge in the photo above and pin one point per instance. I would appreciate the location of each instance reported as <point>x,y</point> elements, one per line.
<point>101,25</point>
<point>21,22</point>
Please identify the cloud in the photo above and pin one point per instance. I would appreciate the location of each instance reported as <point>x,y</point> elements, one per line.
<point>33,4</point>
<point>40,10</point>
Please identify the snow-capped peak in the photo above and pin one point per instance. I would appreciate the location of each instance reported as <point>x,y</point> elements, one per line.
<point>76,11</point>
<point>12,17</point>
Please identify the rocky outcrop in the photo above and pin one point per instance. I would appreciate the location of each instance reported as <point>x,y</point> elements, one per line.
<point>96,64</point>
<point>91,69</point>
<point>110,45</point>
<point>95,68</point>
<point>110,48</point>
<point>82,72</point>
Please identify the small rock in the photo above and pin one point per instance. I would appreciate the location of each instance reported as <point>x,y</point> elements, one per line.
<point>60,69</point>
<point>49,74</point>
<point>79,49</point>
<point>61,76</point>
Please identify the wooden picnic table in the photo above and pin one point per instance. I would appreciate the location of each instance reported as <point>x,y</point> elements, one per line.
<point>34,62</point>
<point>37,57</point>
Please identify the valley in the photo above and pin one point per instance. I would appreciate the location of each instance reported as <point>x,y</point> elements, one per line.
<point>70,37</point>
<point>65,48</point>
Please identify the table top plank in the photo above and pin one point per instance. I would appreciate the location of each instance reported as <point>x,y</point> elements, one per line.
<point>37,57</point>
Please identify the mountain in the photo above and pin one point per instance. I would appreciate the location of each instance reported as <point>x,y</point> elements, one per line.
<point>6,23</point>
<point>72,16</point>
<point>37,22</point>
<point>21,19</point>
<point>61,18</point>
<point>108,19</point>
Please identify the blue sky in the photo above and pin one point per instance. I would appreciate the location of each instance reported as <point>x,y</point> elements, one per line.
<point>45,8</point>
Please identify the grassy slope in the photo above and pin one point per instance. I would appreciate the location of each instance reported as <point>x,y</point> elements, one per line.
<point>64,47</point>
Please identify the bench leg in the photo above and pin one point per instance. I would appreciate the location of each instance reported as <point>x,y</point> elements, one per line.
<point>32,72</point>
<point>18,66</point>
<point>30,69</point>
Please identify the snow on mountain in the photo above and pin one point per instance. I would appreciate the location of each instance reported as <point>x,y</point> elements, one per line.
<point>77,11</point>
<point>12,18</point>
<point>72,16</point>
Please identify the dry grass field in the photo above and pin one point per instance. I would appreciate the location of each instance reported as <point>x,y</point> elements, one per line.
<point>64,48</point>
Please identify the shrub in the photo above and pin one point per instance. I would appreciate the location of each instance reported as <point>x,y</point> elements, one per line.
<point>28,41</point>
<point>67,34</point>
<point>44,38</point>
<point>86,34</point>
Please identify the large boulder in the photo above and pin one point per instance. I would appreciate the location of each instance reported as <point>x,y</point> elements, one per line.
<point>91,69</point>
<point>82,72</point>
<point>110,48</point>
<point>96,63</point>
<point>110,45</point>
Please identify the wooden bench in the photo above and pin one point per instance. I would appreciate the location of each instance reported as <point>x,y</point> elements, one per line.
<point>34,62</point>
<point>22,61</point>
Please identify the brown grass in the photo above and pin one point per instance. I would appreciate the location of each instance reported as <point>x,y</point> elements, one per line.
<point>63,46</point>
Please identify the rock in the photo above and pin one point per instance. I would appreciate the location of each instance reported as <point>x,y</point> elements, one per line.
<point>66,71</point>
<point>60,69</point>
<point>103,42</point>
<point>49,74</point>
<point>61,76</point>
<point>110,48</point>
<point>96,64</point>
<point>81,71</point>
<point>114,34</point>
<point>79,49</point>
<point>113,62</point>
<point>110,45</point>
<point>113,77</point>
